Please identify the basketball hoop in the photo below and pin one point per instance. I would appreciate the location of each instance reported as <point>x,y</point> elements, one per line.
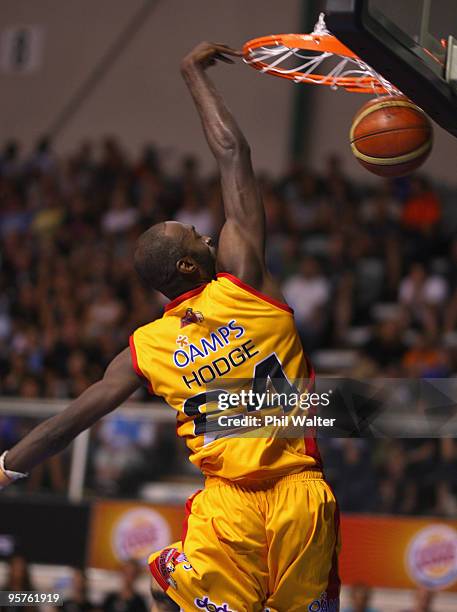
<point>318,58</point>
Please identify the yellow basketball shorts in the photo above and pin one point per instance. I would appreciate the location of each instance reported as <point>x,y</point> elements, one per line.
<point>269,547</point>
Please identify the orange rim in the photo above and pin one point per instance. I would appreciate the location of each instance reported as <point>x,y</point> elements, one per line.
<point>308,42</point>
<point>311,42</point>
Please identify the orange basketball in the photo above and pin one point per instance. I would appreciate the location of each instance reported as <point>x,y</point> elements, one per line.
<point>391,136</point>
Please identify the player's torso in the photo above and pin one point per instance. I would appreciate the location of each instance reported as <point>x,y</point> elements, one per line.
<point>219,339</point>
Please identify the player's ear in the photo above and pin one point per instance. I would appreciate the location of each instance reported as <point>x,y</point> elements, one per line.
<point>186,265</point>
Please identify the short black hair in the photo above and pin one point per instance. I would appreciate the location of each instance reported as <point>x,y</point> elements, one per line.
<point>156,256</point>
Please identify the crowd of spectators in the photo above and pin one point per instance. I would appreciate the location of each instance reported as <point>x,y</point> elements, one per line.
<point>126,596</point>
<point>370,268</point>
<point>393,476</point>
<point>76,595</point>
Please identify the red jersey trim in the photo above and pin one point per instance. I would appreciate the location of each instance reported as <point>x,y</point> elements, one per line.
<point>311,447</point>
<point>157,574</point>
<point>262,296</point>
<point>184,296</point>
<point>188,512</point>
<point>137,368</point>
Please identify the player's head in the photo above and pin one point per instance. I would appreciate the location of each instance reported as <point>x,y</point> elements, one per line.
<point>173,257</point>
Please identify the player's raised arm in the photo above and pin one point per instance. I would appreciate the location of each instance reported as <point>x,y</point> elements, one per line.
<point>54,434</point>
<point>242,240</point>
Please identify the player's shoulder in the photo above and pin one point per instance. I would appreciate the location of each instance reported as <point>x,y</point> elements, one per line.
<point>241,290</point>
<point>148,329</point>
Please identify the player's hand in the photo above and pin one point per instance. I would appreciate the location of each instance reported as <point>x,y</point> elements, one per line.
<point>7,476</point>
<point>207,54</point>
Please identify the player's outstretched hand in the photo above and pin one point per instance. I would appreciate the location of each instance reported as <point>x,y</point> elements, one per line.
<point>207,54</point>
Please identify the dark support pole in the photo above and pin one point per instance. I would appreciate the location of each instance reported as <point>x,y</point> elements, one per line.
<point>300,125</point>
<point>116,49</point>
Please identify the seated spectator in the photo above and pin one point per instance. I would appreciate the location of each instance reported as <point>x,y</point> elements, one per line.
<point>105,311</point>
<point>450,319</point>
<point>379,215</point>
<point>123,448</point>
<point>78,600</point>
<point>308,292</point>
<point>10,164</point>
<point>18,579</point>
<point>303,203</point>
<point>121,216</point>
<point>386,347</point>
<point>422,455</point>
<point>49,218</point>
<point>417,288</point>
<point>360,599</point>
<point>126,599</point>
<point>337,185</point>
<point>355,490</point>
<point>194,213</point>
<point>14,217</point>
<point>422,209</point>
<point>276,215</point>
<point>397,490</point>
<point>425,359</point>
<point>381,208</point>
<point>111,168</point>
<point>42,160</point>
<point>420,220</point>
<point>78,219</point>
<point>446,477</point>
<point>424,296</point>
<point>423,601</point>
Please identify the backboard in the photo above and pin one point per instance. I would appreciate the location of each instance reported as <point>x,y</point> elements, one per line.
<point>409,42</point>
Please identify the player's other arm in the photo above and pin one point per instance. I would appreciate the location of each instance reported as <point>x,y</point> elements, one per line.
<point>53,435</point>
<point>242,241</point>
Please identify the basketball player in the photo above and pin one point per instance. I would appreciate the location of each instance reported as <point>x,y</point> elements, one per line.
<point>263,534</point>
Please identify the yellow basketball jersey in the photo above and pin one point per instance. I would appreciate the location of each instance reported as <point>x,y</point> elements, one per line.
<point>220,338</point>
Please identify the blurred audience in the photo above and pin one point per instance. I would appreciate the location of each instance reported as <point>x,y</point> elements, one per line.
<point>70,297</point>
<point>423,601</point>
<point>126,599</point>
<point>18,576</point>
<point>375,262</point>
<point>78,600</point>
<point>18,579</point>
<point>308,293</point>
<point>360,595</point>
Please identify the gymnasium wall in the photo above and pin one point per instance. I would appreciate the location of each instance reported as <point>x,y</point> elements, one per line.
<point>142,97</point>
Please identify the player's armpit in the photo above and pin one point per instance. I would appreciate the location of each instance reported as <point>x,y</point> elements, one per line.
<point>54,434</point>
<point>242,239</point>
<point>242,242</point>
<point>239,255</point>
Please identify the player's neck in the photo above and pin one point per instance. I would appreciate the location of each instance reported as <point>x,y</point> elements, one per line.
<point>183,287</point>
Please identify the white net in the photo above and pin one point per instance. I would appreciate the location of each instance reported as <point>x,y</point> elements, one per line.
<point>318,67</point>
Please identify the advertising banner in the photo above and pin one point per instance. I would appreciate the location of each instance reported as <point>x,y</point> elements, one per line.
<point>399,552</point>
<point>388,552</point>
<point>122,530</point>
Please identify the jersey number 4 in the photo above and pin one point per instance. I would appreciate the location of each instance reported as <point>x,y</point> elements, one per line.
<point>269,370</point>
